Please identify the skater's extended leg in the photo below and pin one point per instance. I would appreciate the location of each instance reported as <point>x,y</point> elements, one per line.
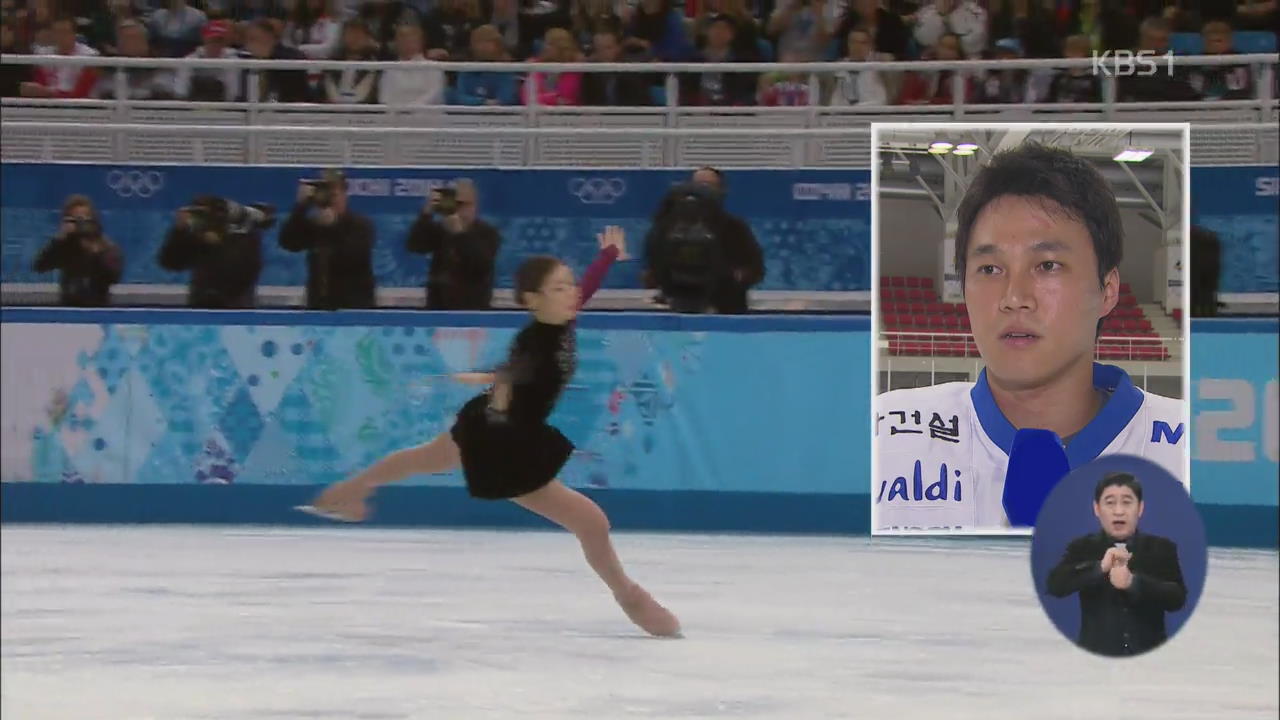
<point>347,498</point>
<point>578,514</point>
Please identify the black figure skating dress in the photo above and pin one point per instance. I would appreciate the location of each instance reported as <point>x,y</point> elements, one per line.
<point>506,455</point>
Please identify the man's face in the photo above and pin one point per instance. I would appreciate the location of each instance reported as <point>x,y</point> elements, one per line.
<point>1217,43</point>
<point>133,41</point>
<point>1155,40</point>
<point>859,45</point>
<point>408,42</point>
<point>720,35</point>
<point>64,37</point>
<point>81,212</point>
<point>708,178</point>
<point>948,48</point>
<point>466,204</point>
<point>259,42</point>
<point>1118,511</point>
<point>485,48</point>
<point>355,40</point>
<point>215,45</point>
<point>605,47</point>
<point>1031,286</point>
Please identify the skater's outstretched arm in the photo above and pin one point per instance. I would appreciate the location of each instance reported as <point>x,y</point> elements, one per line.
<point>613,246</point>
<point>476,378</point>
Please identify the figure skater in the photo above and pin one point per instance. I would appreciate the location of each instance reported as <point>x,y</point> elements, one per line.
<point>503,441</point>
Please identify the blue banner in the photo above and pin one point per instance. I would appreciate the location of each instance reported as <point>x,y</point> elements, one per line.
<point>166,398</point>
<point>813,225</point>
<point>1239,204</point>
<point>1234,431</point>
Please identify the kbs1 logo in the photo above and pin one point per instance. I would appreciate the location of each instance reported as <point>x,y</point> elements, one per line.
<point>1127,63</point>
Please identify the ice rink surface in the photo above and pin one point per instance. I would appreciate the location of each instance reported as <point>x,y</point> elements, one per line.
<point>184,623</point>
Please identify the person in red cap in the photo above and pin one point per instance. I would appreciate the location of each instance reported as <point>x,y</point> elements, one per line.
<point>209,85</point>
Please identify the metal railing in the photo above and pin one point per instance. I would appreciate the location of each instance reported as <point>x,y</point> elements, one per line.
<point>959,344</point>
<point>142,131</point>
<point>1108,70</point>
<point>571,144</point>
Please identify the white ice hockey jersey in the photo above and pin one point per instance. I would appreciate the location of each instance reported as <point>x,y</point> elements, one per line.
<point>942,451</point>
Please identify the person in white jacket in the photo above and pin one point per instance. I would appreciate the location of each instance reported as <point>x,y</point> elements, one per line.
<point>966,18</point>
<point>861,87</point>
<point>419,85</point>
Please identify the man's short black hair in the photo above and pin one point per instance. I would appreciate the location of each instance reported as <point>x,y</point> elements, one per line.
<point>1071,183</point>
<point>1118,479</point>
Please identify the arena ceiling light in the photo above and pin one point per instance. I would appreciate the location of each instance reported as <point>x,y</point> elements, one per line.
<point>940,147</point>
<point>1133,154</point>
<point>965,149</point>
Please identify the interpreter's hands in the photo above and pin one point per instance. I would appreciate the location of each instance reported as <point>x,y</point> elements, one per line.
<point>1121,577</point>
<point>614,236</point>
<point>1109,559</point>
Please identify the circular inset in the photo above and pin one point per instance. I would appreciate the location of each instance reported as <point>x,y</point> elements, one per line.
<point>1119,556</point>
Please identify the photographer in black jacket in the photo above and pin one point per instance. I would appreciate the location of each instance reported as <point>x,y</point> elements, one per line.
<point>220,242</point>
<point>89,262</point>
<point>702,258</point>
<point>338,243</point>
<point>463,249</point>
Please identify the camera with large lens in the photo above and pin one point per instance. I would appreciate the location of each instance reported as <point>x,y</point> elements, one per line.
<point>220,217</point>
<point>691,260</point>
<point>82,227</point>
<point>325,188</point>
<point>446,200</point>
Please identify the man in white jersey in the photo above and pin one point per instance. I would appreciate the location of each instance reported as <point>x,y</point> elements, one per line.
<point>1038,251</point>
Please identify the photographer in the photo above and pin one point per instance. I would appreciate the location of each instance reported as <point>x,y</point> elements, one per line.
<point>89,262</point>
<point>338,242</point>
<point>463,249</point>
<point>220,242</point>
<point>702,258</point>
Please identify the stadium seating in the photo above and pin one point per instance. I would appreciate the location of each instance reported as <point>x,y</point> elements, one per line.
<point>941,329</point>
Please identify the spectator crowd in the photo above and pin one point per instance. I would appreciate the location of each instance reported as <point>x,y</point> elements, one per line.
<point>622,31</point>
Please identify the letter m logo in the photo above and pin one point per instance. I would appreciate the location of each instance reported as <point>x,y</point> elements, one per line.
<point>1161,429</point>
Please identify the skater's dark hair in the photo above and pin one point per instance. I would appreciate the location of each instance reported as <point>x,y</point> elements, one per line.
<point>533,273</point>
<point>1053,174</point>
<point>1118,479</point>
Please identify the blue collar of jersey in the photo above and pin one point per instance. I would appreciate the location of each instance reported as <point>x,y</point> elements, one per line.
<point>1088,443</point>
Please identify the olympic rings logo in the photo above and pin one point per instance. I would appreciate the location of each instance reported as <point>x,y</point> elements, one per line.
<point>597,191</point>
<point>135,183</point>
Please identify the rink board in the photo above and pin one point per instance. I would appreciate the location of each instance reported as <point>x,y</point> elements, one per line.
<point>683,423</point>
